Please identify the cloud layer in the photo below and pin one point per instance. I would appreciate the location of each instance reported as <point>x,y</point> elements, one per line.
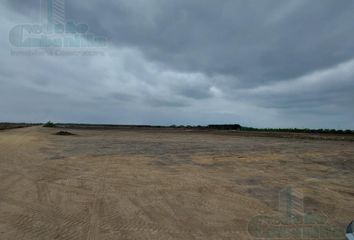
<point>277,63</point>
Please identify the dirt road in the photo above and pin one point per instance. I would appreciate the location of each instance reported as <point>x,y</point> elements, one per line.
<point>165,184</point>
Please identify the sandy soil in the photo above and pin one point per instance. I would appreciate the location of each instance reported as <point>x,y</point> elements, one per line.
<point>165,184</point>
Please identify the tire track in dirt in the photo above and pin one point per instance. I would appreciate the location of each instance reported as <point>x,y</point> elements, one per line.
<point>138,224</point>
<point>96,209</point>
<point>42,221</point>
<point>129,217</point>
<point>95,212</point>
<point>155,226</point>
<point>9,181</point>
<point>43,192</point>
<point>67,188</point>
<point>33,223</point>
<point>30,225</point>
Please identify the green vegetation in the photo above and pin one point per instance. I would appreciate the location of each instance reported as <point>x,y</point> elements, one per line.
<point>297,130</point>
<point>225,126</point>
<point>282,130</point>
<point>49,124</point>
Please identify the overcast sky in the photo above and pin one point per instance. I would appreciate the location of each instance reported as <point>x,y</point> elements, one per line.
<point>261,63</point>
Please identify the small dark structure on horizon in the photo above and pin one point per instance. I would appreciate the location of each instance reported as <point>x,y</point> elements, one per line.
<point>225,126</point>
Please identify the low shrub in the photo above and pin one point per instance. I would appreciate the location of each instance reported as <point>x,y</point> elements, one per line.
<point>49,124</point>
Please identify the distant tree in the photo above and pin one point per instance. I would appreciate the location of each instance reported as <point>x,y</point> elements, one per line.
<point>49,124</point>
<point>225,126</point>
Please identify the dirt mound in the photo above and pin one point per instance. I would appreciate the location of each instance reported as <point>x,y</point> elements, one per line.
<point>64,133</point>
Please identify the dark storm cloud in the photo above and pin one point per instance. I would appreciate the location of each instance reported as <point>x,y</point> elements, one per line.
<point>258,40</point>
<point>266,63</point>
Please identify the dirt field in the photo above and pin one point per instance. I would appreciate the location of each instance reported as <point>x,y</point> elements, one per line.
<point>166,184</point>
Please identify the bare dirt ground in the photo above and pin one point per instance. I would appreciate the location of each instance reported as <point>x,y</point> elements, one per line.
<point>163,184</point>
